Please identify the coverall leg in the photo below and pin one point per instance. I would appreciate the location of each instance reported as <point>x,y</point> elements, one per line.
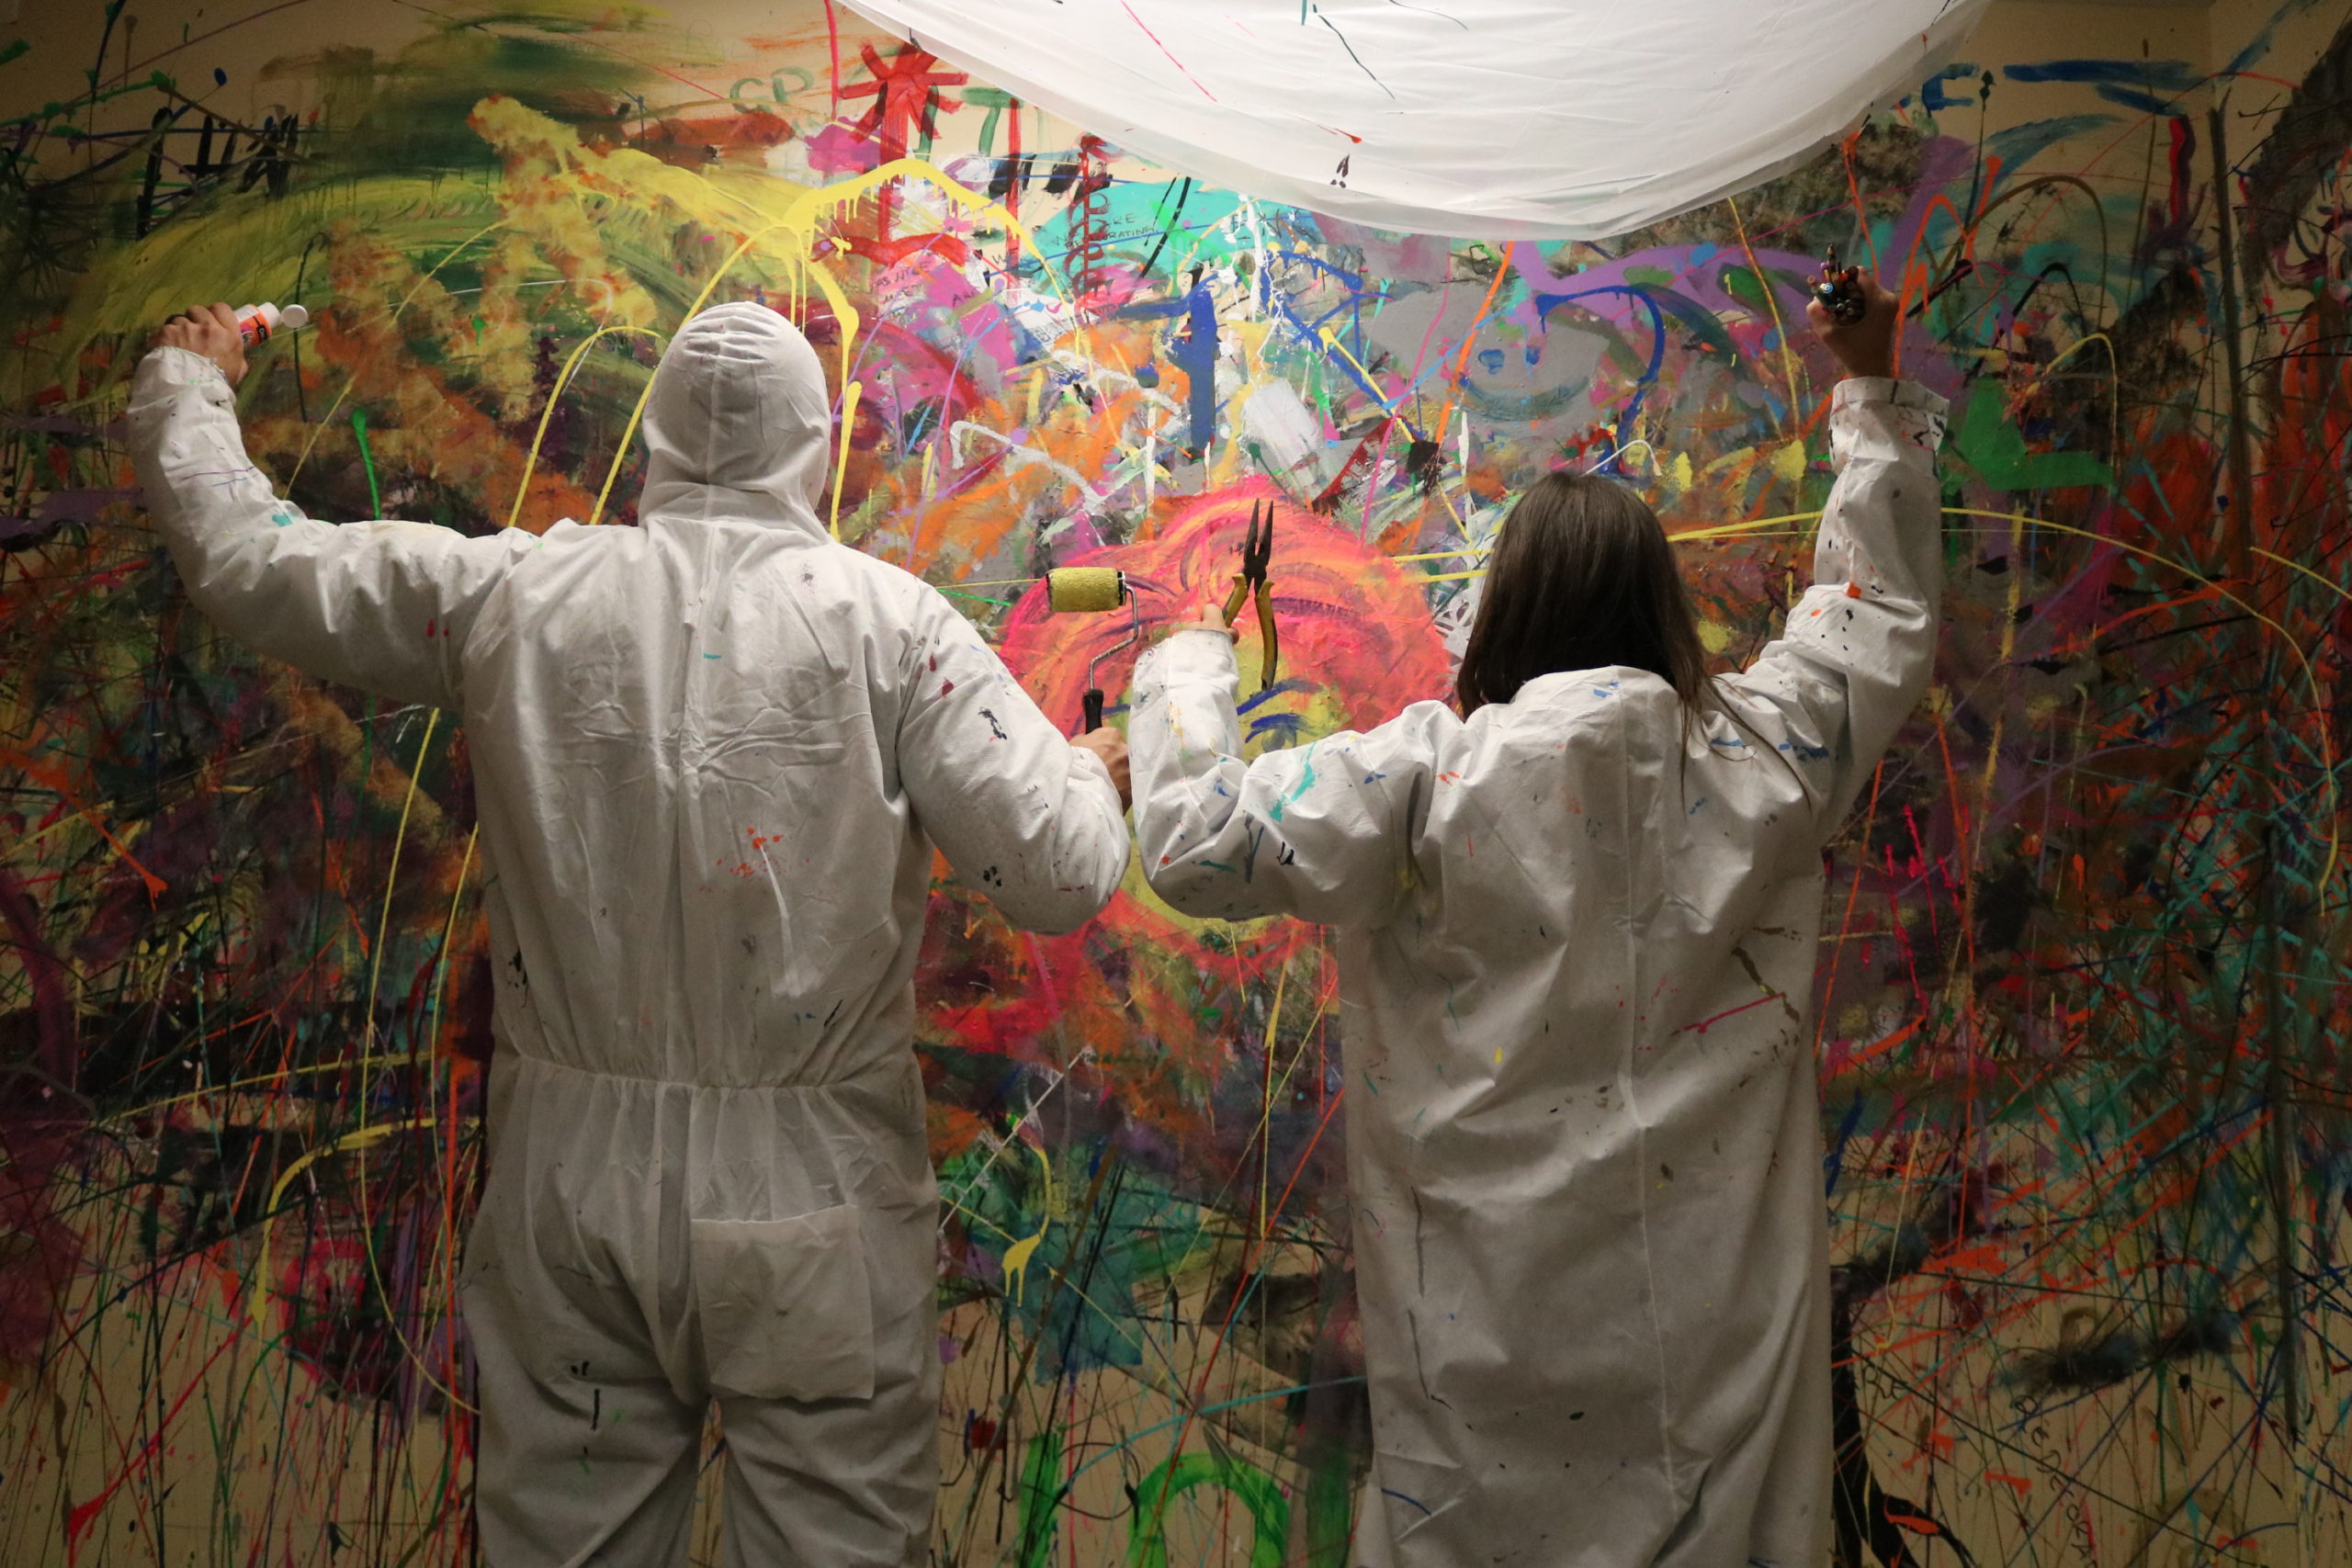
<point>587,1454</point>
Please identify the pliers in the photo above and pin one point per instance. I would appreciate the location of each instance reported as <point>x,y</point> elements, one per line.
<point>1257,554</point>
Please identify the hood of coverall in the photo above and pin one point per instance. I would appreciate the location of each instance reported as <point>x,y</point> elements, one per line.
<point>739,425</point>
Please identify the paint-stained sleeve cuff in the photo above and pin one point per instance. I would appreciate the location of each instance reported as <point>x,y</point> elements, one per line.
<point>1199,655</point>
<point>183,367</point>
<point>1876,418</point>
<point>1086,764</point>
<point>1860,390</point>
<point>1200,652</point>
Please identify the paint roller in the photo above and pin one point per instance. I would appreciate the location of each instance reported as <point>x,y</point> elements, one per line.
<point>1092,589</point>
<point>1083,590</point>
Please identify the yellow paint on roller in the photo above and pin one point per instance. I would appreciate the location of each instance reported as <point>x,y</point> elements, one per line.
<point>1084,588</point>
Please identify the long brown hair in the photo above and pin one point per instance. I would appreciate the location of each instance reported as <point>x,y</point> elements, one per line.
<point>1583,577</point>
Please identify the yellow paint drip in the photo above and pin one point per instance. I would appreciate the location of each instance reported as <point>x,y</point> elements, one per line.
<point>850,396</point>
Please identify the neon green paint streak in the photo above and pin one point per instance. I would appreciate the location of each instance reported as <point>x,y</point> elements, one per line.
<point>366,461</point>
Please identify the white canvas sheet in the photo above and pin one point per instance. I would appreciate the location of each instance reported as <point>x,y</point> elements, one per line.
<point>1494,118</point>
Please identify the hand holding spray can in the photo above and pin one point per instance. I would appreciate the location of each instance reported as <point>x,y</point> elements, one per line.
<point>256,324</point>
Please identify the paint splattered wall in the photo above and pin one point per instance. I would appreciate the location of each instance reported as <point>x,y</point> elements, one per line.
<point>2083,987</point>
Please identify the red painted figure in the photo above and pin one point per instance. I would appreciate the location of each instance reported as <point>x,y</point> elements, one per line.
<point>905,91</point>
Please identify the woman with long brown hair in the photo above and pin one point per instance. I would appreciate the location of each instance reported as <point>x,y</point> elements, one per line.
<point>1576,921</point>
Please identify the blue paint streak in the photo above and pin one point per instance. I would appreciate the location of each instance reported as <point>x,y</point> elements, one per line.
<point>1627,423</point>
<point>2177,76</point>
<point>1193,352</point>
<point>1833,1163</point>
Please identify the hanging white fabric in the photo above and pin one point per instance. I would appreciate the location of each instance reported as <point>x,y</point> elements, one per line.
<point>1489,118</point>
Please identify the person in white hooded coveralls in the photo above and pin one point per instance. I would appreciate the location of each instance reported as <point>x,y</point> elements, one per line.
<point>712,754</point>
<point>1576,931</point>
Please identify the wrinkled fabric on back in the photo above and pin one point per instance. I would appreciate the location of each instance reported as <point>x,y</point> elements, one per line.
<point>1577,946</point>
<point>712,755</point>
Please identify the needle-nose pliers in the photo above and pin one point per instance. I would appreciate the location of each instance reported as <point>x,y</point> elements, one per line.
<point>1257,554</point>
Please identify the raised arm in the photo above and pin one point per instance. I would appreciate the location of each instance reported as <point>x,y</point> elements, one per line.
<point>1857,651</point>
<point>383,606</point>
<point>1323,831</point>
<point>1030,819</point>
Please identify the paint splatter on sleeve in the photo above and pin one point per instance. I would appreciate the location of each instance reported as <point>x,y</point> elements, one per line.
<point>999,788</point>
<point>1855,654</point>
<point>383,606</point>
<point>1323,831</point>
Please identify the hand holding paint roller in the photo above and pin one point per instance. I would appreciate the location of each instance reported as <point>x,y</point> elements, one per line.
<point>1110,747</point>
<point>1091,590</point>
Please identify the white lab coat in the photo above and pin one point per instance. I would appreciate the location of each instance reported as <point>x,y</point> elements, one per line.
<point>1576,958</point>
<point>712,755</point>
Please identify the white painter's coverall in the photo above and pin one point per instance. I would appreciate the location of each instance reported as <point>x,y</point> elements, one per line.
<point>1576,958</point>
<point>712,754</point>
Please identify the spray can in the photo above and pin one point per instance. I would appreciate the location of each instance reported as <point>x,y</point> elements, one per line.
<point>256,323</point>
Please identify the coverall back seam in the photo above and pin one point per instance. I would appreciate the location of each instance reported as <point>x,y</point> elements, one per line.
<point>1637,838</point>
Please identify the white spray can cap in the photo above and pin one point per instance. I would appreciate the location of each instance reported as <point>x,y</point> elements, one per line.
<point>256,323</point>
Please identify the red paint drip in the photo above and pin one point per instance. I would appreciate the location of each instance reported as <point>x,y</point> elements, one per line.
<point>1163,48</point>
<point>78,1518</point>
<point>833,49</point>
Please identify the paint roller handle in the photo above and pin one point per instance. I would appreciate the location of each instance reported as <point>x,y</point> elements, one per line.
<point>1093,708</point>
